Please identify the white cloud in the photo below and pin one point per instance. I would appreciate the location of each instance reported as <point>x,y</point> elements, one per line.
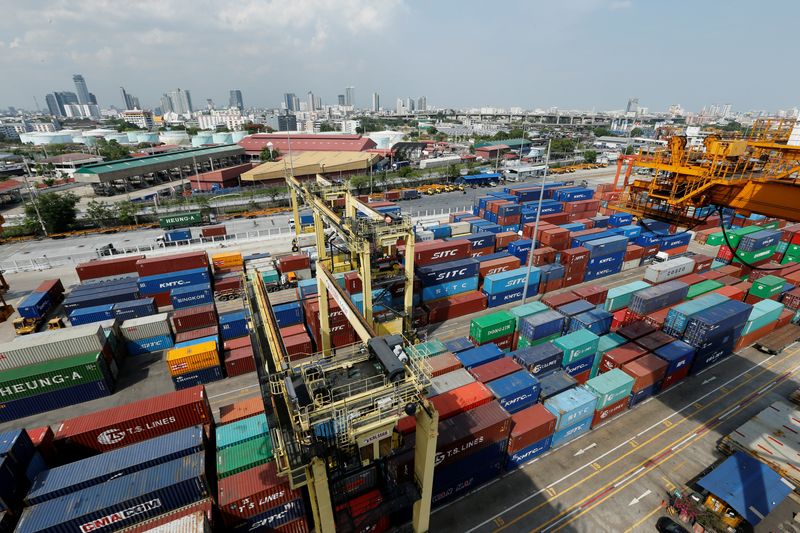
<point>16,43</point>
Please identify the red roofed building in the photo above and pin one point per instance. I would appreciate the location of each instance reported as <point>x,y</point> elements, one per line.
<point>492,151</point>
<point>306,142</point>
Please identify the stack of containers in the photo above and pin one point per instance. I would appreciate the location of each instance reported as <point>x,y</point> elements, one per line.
<point>648,372</point>
<point>497,328</point>
<point>714,332</point>
<point>509,286</point>
<point>191,295</point>
<point>239,356</point>
<point>102,292</point>
<point>679,315</point>
<point>107,269</point>
<point>448,279</point>
<point>147,334</point>
<point>605,256</point>
<point>20,463</point>
<point>575,261</point>
<point>613,390</point>
<point>300,264</point>
<point>191,363</point>
<point>342,333</point>
<point>669,270</point>
<point>655,298</point>
<point>580,352</point>
<point>453,402</point>
<point>679,357</point>
<point>540,328</point>
<point>767,287</point>
<point>159,275</point>
<point>573,410</point>
<point>763,319</point>
<point>515,391</point>
<point>239,410</point>
<point>619,297</point>
<point>531,434</point>
<point>134,309</point>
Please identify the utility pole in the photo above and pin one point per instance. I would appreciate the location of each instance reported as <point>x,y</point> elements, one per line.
<point>536,224</point>
<point>34,199</point>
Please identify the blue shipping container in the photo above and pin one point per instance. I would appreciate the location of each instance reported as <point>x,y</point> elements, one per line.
<point>166,282</point>
<point>233,325</point>
<point>134,309</point>
<point>677,353</point>
<point>580,366</point>
<point>458,345</point>
<point>198,377</point>
<point>150,345</point>
<point>446,272</point>
<point>640,396</point>
<point>54,400</point>
<point>571,406</point>
<point>528,453</point>
<point>35,305</point>
<point>606,246</point>
<point>288,314</point>
<point>540,359</point>
<point>450,288</point>
<point>555,383</point>
<point>178,235</point>
<point>515,391</point>
<point>510,280</point>
<point>484,239</point>
<point>480,355</point>
<point>598,321</point>
<point>620,219</point>
<point>541,325</point>
<point>110,296</point>
<point>126,500</point>
<point>98,469</point>
<point>551,272</point>
<point>191,295</point>
<point>571,432</point>
<point>87,315</point>
<point>273,518</point>
<point>575,308</point>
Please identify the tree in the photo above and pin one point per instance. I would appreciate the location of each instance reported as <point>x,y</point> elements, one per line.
<point>630,150</point>
<point>252,128</point>
<point>637,132</point>
<point>562,146</point>
<point>191,131</point>
<point>601,131</point>
<point>266,155</point>
<point>126,212</point>
<point>359,130</point>
<point>124,125</point>
<point>404,172</point>
<point>274,192</point>
<point>222,128</point>
<point>112,150</point>
<point>590,156</point>
<point>360,182</point>
<point>453,171</point>
<point>326,126</point>
<point>57,210</point>
<point>432,131</point>
<point>99,213</point>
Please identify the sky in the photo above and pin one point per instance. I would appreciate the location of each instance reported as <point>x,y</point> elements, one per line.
<point>573,54</point>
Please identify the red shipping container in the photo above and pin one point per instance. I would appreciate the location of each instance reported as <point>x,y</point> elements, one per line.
<point>298,346</point>
<point>297,329</point>
<point>585,232</point>
<point>702,262</point>
<point>555,236</point>
<point>253,492</point>
<point>732,292</point>
<point>530,425</point>
<point>557,300</point>
<point>583,377</point>
<point>161,300</point>
<point>240,410</point>
<point>495,370</point>
<point>420,317</point>
<point>588,223</point>
<point>635,330</point>
<point>788,233</point>
<point>455,306</point>
<point>439,251</point>
<point>495,266</point>
<point>510,220</point>
<point>293,263</point>
<point>793,278</point>
<point>452,403</point>
<point>211,331</point>
<point>352,283</point>
<point>505,342</point>
<point>575,256</point>
<point>502,239</point>
<point>443,363</point>
<point>690,279</point>
<point>478,252</point>
<point>42,439</point>
<point>753,299</point>
<point>712,274</point>
<point>572,278</point>
<point>650,251</point>
<point>646,370</point>
<point>360,519</point>
<point>238,342</point>
<point>213,231</point>
<point>620,356</point>
<point>239,361</point>
<point>53,287</point>
<point>107,267</point>
<point>120,426</point>
<point>171,263</point>
<point>633,252</point>
<point>792,299</point>
<point>555,218</point>
<point>199,316</point>
<point>785,318</point>
<point>594,294</point>
<point>657,318</point>
<point>341,335</point>
<point>653,341</point>
<point>753,336</point>
<point>731,270</point>
<point>675,377</point>
<point>544,256</point>
<point>453,216</point>
<point>552,285</point>
<point>335,315</point>
<point>228,283</point>
<point>605,414</point>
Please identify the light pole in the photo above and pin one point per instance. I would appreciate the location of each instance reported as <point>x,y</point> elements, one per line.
<point>34,199</point>
<point>536,225</point>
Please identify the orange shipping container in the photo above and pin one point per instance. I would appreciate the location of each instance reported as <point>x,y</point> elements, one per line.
<point>452,403</point>
<point>227,260</point>
<point>192,358</point>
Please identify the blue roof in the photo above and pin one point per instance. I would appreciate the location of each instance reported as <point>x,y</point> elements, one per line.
<point>747,485</point>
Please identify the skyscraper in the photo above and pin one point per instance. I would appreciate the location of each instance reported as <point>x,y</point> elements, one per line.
<point>422,103</point>
<point>409,104</point>
<point>181,101</point>
<point>341,99</point>
<point>166,103</point>
<point>310,103</point>
<point>289,101</point>
<point>236,99</point>
<point>633,106</point>
<point>376,102</point>
<point>92,99</point>
<point>81,89</point>
<point>52,105</point>
<point>350,96</point>
<point>127,99</point>
<point>57,101</point>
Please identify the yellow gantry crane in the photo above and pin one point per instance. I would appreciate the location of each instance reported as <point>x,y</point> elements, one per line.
<point>756,174</point>
<point>336,411</point>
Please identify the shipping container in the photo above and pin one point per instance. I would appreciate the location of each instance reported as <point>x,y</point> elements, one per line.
<point>134,422</point>
<point>492,326</point>
<point>108,268</point>
<point>572,432</point>
<point>602,415</point>
<point>677,354</point>
<point>241,409</point>
<point>47,401</point>
<point>657,297</point>
<point>146,327</point>
<point>577,345</point>
<point>620,356</point>
<point>479,355</point>
<point>197,377</point>
<point>458,344</point>
<point>654,340</point>
<point>196,317</point>
<point>619,297</point>
<point>452,403</point>
<point>243,456</point>
<point>437,251</point>
<point>541,325</point>
<point>51,345</point>
<point>515,391</point>
<point>191,295</point>
<point>246,429</point>
<point>520,457</point>
<point>572,406</point>
<point>451,380</point>
<point>646,371</point>
<point>253,492</point>
<point>540,359</point>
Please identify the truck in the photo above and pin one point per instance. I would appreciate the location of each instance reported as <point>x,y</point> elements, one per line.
<point>35,307</point>
<point>185,220</point>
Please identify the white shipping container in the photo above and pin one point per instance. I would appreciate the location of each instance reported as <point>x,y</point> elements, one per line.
<point>422,236</point>
<point>192,523</point>
<point>459,228</point>
<point>51,345</point>
<point>451,380</point>
<point>630,265</point>
<point>146,327</point>
<point>669,270</point>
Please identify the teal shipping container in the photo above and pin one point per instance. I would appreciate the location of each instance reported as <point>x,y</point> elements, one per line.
<point>610,387</point>
<point>528,309</point>
<point>620,297</point>
<point>762,314</point>
<point>243,430</point>
<point>571,406</point>
<point>577,345</point>
<point>678,317</point>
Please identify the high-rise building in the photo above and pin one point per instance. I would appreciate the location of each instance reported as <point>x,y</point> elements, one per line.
<point>181,101</point>
<point>282,122</point>
<point>422,103</point>
<point>128,100</point>
<point>143,119</point>
<point>409,104</point>
<point>52,105</point>
<point>289,100</point>
<point>726,110</point>
<point>92,99</point>
<point>632,108</point>
<point>81,89</point>
<point>350,96</point>
<point>236,99</point>
<point>166,103</point>
<point>310,101</point>
<point>400,106</point>
<point>376,102</point>
<point>341,99</point>
<point>317,102</point>
<point>57,101</point>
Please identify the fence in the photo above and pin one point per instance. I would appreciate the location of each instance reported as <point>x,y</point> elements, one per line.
<point>201,243</point>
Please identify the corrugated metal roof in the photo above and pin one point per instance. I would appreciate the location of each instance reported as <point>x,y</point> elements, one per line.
<point>312,163</point>
<point>511,143</point>
<point>304,142</point>
<point>10,185</point>
<point>747,485</point>
<point>493,147</point>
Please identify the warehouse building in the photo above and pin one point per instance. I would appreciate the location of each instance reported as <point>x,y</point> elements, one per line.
<point>307,165</point>
<point>302,142</point>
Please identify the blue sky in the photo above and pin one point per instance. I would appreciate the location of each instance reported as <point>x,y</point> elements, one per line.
<point>571,54</point>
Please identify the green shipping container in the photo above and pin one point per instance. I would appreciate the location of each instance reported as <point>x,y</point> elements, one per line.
<point>180,220</point>
<point>609,342</point>
<point>243,456</point>
<point>782,247</point>
<point>524,343</point>
<point>793,249</point>
<point>620,297</point>
<point>770,225</point>
<point>789,258</point>
<point>486,328</point>
<point>577,345</point>
<point>31,380</point>
<point>715,239</point>
<point>751,257</point>
<point>527,310</point>
<point>610,387</point>
<point>426,349</point>
<point>698,289</point>
<point>242,430</point>
<point>767,286</point>
<point>270,276</point>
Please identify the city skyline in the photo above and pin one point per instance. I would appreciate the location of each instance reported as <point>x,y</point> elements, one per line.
<point>328,47</point>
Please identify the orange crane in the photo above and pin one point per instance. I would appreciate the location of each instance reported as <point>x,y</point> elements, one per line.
<point>759,173</point>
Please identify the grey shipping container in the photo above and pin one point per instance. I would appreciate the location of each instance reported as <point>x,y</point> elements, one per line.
<point>146,327</point>
<point>658,297</point>
<point>122,501</point>
<point>50,345</point>
<point>451,380</point>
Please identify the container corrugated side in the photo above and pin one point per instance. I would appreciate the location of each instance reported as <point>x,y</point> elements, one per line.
<point>31,380</point>
<point>54,400</point>
<point>252,492</point>
<point>122,501</point>
<point>78,475</point>
<point>243,430</point>
<point>243,456</point>
<point>50,345</point>
<point>146,327</point>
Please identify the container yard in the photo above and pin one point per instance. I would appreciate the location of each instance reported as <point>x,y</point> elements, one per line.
<point>510,367</point>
